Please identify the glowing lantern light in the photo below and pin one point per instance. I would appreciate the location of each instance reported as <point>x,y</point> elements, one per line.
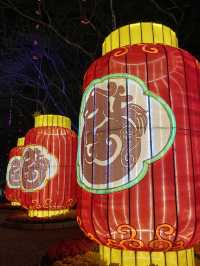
<point>48,173</point>
<point>138,165</point>
<point>13,175</point>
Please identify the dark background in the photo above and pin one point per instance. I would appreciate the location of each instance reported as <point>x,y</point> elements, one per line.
<point>42,67</point>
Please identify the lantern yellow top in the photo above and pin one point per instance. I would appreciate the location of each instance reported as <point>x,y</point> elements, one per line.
<point>143,32</point>
<point>52,120</point>
<point>20,142</point>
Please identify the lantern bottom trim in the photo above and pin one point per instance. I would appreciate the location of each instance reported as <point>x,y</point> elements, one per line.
<point>15,203</point>
<point>121,257</point>
<point>47,213</point>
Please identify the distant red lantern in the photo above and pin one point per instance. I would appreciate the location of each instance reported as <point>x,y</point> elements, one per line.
<point>138,160</point>
<point>48,173</point>
<point>13,175</point>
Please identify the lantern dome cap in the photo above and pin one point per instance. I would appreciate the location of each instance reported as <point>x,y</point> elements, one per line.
<point>20,141</point>
<point>52,120</point>
<point>142,32</point>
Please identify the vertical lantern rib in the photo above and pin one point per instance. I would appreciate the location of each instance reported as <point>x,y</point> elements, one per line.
<point>32,178</point>
<point>187,257</point>
<point>162,33</point>
<point>122,263</point>
<point>128,146</point>
<point>66,165</point>
<point>141,32</point>
<point>93,140</point>
<point>190,140</point>
<point>177,258</point>
<point>197,68</point>
<point>108,151</point>
<point>152,31</point>
<point>170,36</point>
<point>61,183</point>
<point>38,193</point>
<point>174,163</point>
<point>150,257</point>
<point>150,136</point>
<point>48,186</point>
<point>93,137</point>
<point>127,119</point>
<point>164,253</point>
<point>81,209</point>
<point>135,257</point>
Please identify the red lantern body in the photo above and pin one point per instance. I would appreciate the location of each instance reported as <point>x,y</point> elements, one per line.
<point>13,175</point>
<point>160,210</point>
<point>48,175</point>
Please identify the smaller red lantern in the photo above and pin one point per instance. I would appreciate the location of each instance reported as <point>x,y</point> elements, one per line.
<point>13,175</point>
<point>48,172</point>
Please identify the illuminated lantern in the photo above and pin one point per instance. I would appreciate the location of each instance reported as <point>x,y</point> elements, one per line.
<point>48,173</point>
<point>138,162</point>
<point>14,172</point>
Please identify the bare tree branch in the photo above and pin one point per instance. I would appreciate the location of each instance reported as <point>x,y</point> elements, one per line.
<point>114,24</point>
<point>49,26</point>
<point>169,14</point>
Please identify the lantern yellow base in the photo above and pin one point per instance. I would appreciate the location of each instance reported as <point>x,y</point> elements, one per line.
<point>145,258</point>
<point>46,213</point>
<point>15,203</point>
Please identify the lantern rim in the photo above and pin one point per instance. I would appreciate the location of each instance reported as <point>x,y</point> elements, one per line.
<point>138,33</point>
<point>46,213</point>
<point>52,120</point>
<point>147,256</point>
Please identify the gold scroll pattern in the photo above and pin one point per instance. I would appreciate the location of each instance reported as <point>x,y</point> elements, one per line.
<point>128,238</point>
<point>50,203</point>
<point>162,241</point>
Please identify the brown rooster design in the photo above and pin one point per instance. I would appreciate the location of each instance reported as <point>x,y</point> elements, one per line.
<point>14,172</point>
<point>35,168</point>
<point>112,134</point>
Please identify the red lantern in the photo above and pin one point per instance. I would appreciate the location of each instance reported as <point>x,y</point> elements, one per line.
<point>138,165</point>
<point>13,175</point>
<point>48,174</point>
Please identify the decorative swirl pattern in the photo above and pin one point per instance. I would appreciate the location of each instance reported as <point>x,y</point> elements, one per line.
<point>121,51</point>
<point>160,245</point>
<point>113,243</point>
<point>132,242</point>
<point>151,50</point>
<point>178,245</point>
<point>163,242</point>
<point>47,204</point>
<point>70,203</point>
<point>35,205</point>
<point>129,240</point>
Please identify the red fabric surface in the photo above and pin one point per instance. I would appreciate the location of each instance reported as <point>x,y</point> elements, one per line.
<point>163,209</point>
<point>57,191</point>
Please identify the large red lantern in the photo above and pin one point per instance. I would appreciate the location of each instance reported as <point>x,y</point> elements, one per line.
<point>48,173</point>
<point>13,175</point>
<point>138,160</point>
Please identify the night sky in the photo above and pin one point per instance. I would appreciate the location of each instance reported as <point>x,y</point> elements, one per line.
<point>46,47</point>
